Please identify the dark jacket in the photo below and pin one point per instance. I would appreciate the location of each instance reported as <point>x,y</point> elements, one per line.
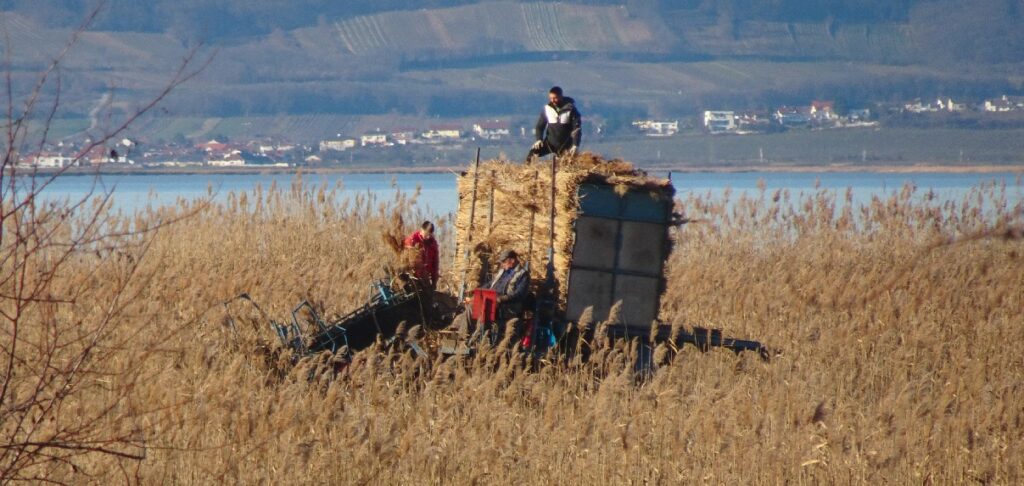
<point>512,285</point>
<point>563,125</point>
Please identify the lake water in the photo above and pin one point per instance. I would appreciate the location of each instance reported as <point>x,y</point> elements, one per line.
<point>132,192</point>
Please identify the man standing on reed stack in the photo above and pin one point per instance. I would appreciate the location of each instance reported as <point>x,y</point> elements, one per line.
<point>426,265</point>
<point>558,128</point>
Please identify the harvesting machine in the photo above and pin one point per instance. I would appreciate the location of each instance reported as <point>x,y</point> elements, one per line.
<point>603,260</point>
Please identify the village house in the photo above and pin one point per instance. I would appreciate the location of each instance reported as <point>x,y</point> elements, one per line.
<point>275,149</point>
<point>373,139</point>
<point>949,105</point>
<point>792,116</point>
<point>443,132</point>
<point>655,128</point>
<point>752,120</point>
<point>859,115</point>
<point>720,121</point>
<point>48,160</point>
<point>239,158</point>
<point>998,106</point>
<point>403,136</point>
<point>492,130</point>
<point>230,159</point>
<point>918,106</point>
<point>1005,104</point>
<point>339,145</point>
<point>120,157</point>
<point>179,162</point>
<point>173,156</point>
<point>169,158</point>
<point>822,111</point>
<point>213,146</point>
<point>100,155</point>
<point>941,104</point>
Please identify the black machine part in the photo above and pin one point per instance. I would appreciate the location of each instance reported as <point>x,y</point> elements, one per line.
<point>703,338</point>
<point>310,333</point>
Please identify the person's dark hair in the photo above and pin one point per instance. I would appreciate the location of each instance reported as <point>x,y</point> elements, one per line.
<point>556,90</point>
<point>427,225</point>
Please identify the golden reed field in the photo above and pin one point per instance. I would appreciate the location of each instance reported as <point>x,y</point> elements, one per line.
<point>897,327</point>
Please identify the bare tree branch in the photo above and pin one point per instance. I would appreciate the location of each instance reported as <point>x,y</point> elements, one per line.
<point>53,364</point>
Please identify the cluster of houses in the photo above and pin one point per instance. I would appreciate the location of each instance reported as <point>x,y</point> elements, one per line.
<point>816,114</point>
<point>216,153</point>
<point>67,155</point>
<point>212,153</point>
<point>1002,104</point>
<point>222,154</point>
<point>940,104</point>
<point>819,114</point>
<point>493,130</point>
<point>655,128</point>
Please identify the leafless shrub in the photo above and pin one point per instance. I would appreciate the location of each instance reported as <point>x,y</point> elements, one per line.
<point>71,273</point>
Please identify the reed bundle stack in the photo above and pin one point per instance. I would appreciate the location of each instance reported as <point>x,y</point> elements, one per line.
<point>512,210</point>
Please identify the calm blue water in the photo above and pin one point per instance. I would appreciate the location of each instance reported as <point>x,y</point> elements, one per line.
<point>136,191</point>
<point>132,192</point>
<point>864,185</point>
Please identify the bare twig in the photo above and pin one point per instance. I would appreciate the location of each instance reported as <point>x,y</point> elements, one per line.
<point>52,364</point>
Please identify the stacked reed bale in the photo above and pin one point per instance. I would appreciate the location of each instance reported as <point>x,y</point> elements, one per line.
<point>511,197</point>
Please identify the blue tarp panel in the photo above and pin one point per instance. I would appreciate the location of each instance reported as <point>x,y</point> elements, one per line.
<point>620,250</point>
<point>601,201</point>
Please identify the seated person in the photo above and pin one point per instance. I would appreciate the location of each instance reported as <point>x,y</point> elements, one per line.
<point>512,284</point>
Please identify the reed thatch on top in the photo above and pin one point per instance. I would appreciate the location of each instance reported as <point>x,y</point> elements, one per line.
<point>512,198</point>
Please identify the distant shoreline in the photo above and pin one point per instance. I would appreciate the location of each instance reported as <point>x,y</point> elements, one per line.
<point>774,168</point>
<point>882,169</point>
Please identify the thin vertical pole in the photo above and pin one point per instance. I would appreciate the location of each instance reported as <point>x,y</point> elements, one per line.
<point>490,213</point>
<point>551,235</point>
<point>469,231</point>
<point>549,284</point>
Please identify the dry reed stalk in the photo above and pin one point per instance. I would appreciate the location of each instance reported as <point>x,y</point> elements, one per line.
<point>920,384</point>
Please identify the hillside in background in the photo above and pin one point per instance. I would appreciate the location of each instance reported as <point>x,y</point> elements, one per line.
<point>428,59</point>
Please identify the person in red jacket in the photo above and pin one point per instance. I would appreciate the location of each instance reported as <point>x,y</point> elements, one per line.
<point>427,262</point>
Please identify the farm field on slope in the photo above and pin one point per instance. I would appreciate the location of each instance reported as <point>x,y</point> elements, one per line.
<point>895,324</point>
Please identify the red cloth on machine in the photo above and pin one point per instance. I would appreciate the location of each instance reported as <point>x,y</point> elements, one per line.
<point>485,305</point>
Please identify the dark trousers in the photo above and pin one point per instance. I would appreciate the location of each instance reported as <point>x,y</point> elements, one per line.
<point>547,149</point>
<point>466,326</point>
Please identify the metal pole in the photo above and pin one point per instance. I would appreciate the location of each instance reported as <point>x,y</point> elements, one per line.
<point>490,212</point>
<point>549,280</point>
<point>551,232</point>
<point>469,231</point>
